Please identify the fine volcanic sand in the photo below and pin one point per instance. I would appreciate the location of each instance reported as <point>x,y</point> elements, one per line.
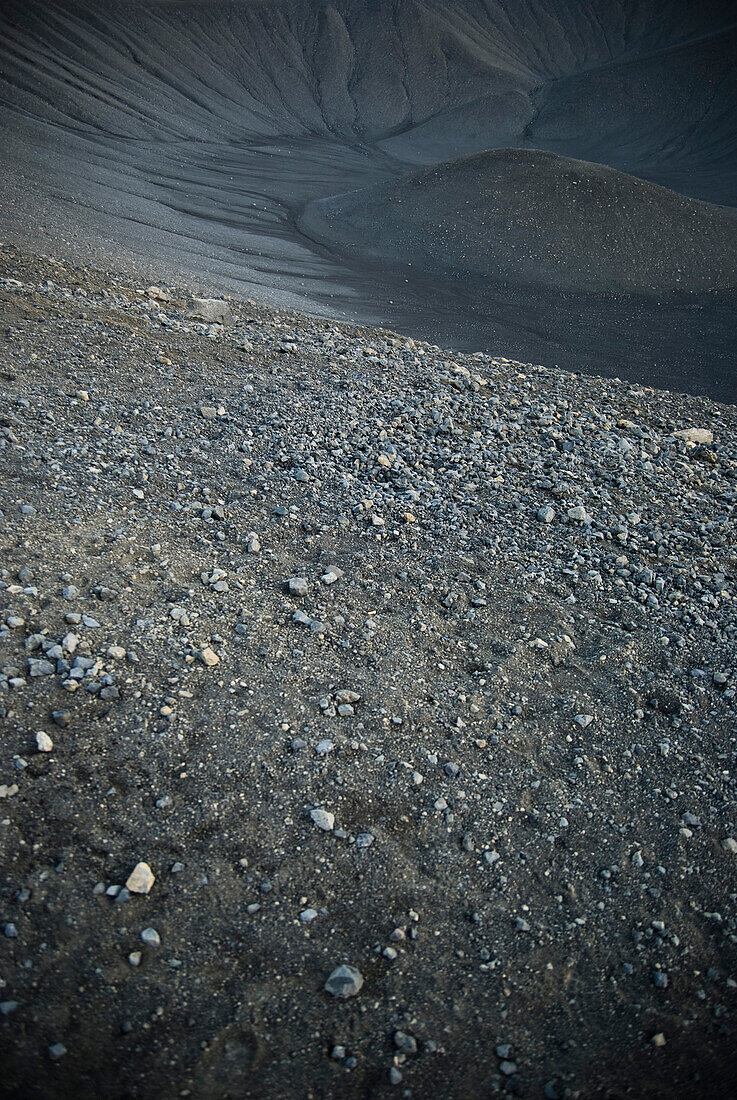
<point>191,137</point>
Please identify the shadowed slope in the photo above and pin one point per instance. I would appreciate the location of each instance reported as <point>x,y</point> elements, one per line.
<point>189,137</point>
<point>353,68</point>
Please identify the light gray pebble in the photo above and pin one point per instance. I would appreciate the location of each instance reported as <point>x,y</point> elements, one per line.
<point>323,819</point>
<point>345,981</point>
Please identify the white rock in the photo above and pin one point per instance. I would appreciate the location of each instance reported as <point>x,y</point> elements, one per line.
<point>158,294</point>
<point>323,819</point>
<point>214,311</point>
<point>141,879</point>
<point>44,742</point>
<point>695,435</point>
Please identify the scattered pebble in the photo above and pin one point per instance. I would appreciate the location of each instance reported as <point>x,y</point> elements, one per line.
<point>141,879</point>
<point>345,981</point>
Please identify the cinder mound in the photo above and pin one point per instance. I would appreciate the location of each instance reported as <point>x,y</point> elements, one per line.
<point>535,218</point>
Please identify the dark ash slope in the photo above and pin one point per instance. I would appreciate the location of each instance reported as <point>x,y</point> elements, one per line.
<point>534,218</point>
<point>190,136</point>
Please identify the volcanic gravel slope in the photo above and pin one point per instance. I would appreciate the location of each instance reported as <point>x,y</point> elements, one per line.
<point>375,655</point>
<point>191,136</point>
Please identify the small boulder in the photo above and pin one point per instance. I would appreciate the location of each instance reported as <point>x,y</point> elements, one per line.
<point>695,435</point>
<point>213,311</point>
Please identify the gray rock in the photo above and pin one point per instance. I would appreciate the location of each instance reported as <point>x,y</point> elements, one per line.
<point>39,667</point>
<point>213,311</point>
<point>579,514</point>
<point>345,981</point>
<point>345,695</point>
<point>404,1042</point>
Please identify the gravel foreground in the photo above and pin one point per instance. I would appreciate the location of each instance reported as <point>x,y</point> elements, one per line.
<point>367,712</point>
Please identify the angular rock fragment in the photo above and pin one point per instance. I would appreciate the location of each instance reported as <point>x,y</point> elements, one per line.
<point>323,819</point>
<point>213,311</point>
<point>141,879</point>
<point>345,981</point>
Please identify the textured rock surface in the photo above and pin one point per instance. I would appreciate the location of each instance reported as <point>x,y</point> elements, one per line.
<point>521,728</point>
